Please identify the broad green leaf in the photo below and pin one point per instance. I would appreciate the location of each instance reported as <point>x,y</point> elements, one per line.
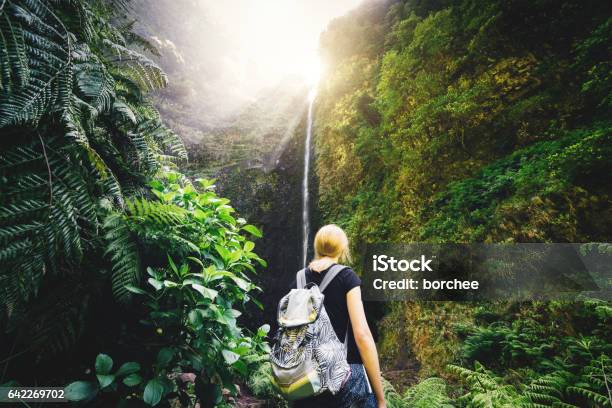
<point>195,318</point>
<point>225,254</point>
<point>103,364</point>
<point>241,367</point>
<point>132,380</point>
<point>263,330</point>
<point>158,285</point>
<point>230,357</point>
<point>248,266</point>
<point>252,230</point>
<point>153,392</point>
<point>184,270</point>
<point>164,356</point>
<point>105,379</point>
<point>248,246</point>
<point>235,255</point>
<point>156,185</point>
<point>135,289</point>
<point>242,284</point>
<point>204,291</point>
<point>206,184</point>
<point>200,215</point>
<point>128,368</point>
<point>80,391</point>
<point>170,284</point>
<point>168,197</point>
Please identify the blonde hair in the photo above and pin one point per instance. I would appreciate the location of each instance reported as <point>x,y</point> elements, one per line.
<point>330,242</point>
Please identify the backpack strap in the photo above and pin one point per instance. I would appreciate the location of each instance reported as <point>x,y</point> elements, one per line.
<point>330,275</point>
<point>348,326</point>
<point>300,279</point>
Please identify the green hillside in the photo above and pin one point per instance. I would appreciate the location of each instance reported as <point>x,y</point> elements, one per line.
<point>468,121</point>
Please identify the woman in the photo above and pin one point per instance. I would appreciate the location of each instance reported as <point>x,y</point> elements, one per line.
<point>345,309</point>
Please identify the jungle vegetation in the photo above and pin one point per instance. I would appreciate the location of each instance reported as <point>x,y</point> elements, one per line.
<point>436,121</point>
<point>110,258</point>
<point>468,121</point>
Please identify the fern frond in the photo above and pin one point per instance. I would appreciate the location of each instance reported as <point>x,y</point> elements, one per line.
<point>36,63</point>
<point>430,392</point>
<point>123,252</point>
<point>142,70</point>
<point>591,395</point>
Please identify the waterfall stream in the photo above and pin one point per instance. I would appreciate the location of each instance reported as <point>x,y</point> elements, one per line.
<point>305,197</point>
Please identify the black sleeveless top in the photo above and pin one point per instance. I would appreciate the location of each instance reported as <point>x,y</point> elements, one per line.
<point>335,305</point>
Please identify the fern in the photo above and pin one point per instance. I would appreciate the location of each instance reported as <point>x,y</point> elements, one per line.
<point>36,64</point>
<point>549,390</point>
<point>124,255</point>
<point>430,392</point>
<point>595,382</point>
<point>80,136</point>
<point>148,75</point>
<point>484,389</point>
<point>392,397</point>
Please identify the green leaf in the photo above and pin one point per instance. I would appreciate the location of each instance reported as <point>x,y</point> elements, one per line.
<point>153,392</point>
<point>172,265</point>
<point>195,318</point>
<point>200,215</point>
<point>103,364</point>
<point>156,185</point>
<point>235,255</point>
<point>206,184</point>
<point>128,368</point>
<point>248,246</point>
<point>263,330</point>
<point>105,379</point>
<point>242,283</point>
<point>225,254</point>
<point>158,285</point>
<point>80,391</point>
<point>135,289</point>
<point>241,367</point>
<point>204,291</point>
<point>196,260</point>
<point>230,357</point>
<point>132,380</point>
<point>253,230</point>
<point>164,356</point>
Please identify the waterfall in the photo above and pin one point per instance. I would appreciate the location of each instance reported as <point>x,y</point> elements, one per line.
<point>305,198</point>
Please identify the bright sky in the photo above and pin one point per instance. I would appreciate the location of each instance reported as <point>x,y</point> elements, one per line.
<point>271,39</point>
<point>221,54</point>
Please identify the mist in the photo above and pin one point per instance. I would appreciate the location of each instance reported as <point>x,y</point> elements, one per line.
<point>224,56</point>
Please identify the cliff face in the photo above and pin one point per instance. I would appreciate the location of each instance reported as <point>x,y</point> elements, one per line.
<point>465,121</point>
<point>271,194</point>
<point>493,116</point>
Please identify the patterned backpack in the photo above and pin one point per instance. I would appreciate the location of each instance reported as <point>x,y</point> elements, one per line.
<point>307,358</point>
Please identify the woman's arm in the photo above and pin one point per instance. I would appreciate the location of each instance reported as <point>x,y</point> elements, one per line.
<point>365,343</point>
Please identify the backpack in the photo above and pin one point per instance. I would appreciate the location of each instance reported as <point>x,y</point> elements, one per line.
<point>306,357</point>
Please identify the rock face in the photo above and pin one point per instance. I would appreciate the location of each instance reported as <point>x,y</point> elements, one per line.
<point>270,197</point>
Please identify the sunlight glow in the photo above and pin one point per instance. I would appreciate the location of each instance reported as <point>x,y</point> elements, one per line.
<point>311,71</point>
<point>272,40</point>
